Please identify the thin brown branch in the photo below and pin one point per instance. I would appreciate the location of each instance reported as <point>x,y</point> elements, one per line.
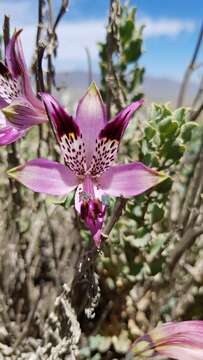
<point>186,242</point>
<point>62,11</point>
<point>39,72</point>
<point>195,114</point>
<point>40,25</point>
<point>198,94</point>
<point>29,321</point>
<point>50,48</point>
<point>190,69</point>
<point>112,47</point>
<point>192,189</point>
<point>116,213</point>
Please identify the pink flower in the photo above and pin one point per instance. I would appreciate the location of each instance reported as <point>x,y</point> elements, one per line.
<point>89,145</point>
<point>19,107</point>
<point>181,341</point>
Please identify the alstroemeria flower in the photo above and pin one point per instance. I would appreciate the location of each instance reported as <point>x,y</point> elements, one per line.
<point>19,107</point>
<point>181,341</point>
<point>89,145</point>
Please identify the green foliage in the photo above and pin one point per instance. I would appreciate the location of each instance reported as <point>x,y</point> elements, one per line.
<point>66,201</point>
<point>125,64</point>
<point>166,134</point>
<point>138,246</point>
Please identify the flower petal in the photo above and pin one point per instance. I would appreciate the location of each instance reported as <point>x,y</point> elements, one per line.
<point>11,58</point>
<point>67,134</point>
<point>18,70</point>
<point>45,176</point>
<point>9,135</point>
<point>3,122</point>
<point>115,128</point>
<point>90,208</point>
<point>129,180</point>
<point>108,140</point>
<point>91,118</point>
<point>22,114</point>
<point>182,353</point>
<point>181,341</point>
<point>10,87</point>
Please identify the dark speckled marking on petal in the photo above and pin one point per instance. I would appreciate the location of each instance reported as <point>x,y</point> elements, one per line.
<point>104,156</point>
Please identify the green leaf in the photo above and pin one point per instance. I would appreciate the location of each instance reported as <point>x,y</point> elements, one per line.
<point>158,243</point>
<point>157,213</point>
<point>179,115</point>
<point>65,202</point>
<point>126,30</point>
<point>167,127</point>
<point>164,186</point>
<point>173,150</point>
<point>85,353</point>
<point>156,265</point>
<point>133,51</point>
<point>187,129</point>
<point>159,112</point>
<point>149,132</point>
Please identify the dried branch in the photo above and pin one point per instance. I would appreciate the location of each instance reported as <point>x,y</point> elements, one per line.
<point>62,11</point>
<point>29,321</point>
<point>198,94</point>
<point>195,114</point>
<point>190,69</point>
<point>39,72</point>
<point>116,213</point>
<point>50,48</point>
<point>192,189</point>
<point>112,41</point>
<point>39,52</point>
<point>40,25</point>
<point>186,242</point>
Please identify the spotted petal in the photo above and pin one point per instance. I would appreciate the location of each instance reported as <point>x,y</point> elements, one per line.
<point>19,73</point>
<point>8,135</point>
<point>91,118</point>
<point>10,88</point>
<point>108,140</point>
<point>45,176</point>
<point>67,134</point>
<point>129,180</point>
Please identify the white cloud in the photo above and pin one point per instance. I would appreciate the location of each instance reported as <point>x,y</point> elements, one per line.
<point>20,12</point>
<point>166,26</point>
<point>75,36</point>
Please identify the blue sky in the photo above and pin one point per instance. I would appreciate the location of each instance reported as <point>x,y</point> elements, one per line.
<point>170,34</point>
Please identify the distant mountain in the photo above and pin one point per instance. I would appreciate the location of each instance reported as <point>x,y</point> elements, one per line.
<point>155,89</point>
<point>164,90</point>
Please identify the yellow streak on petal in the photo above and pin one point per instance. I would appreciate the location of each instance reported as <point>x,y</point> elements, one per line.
<point>9,112</point>
<point>92,90</point>
<point>13,172</point>
<point>71,136</point>
<point>141,347</point>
